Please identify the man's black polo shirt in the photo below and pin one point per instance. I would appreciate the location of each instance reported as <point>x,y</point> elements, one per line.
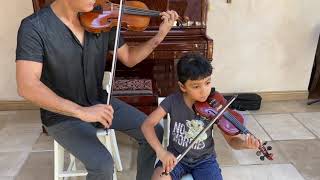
<point>72,71</point>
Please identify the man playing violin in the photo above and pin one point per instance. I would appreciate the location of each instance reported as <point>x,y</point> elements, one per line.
<point>60,68</point>
<point>194,75</point>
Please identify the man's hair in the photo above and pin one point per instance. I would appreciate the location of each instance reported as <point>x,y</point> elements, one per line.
<point>193,66</point>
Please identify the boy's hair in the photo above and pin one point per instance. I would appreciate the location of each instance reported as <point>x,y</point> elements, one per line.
<point>193,66</point>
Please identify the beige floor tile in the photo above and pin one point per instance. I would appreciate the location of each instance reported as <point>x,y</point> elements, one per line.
<point>11,162</point>
<point>128,156</point>
<point>122,138</point>
<point>261,172</point>
<point>127,175</point>
<point>43,143</point>
<point>14,139</point>
<point>283,127</point>
<point>19,130</point>
<point>248,156</point>
<point>38,166</point>
<point>304,155</point>
<point>3,124</point>
<point>243,112</point>
<point>7,178</point>
<point>311,120</point>
<point>254,127</point>
<point>223,150</point>
<point>235,164</point>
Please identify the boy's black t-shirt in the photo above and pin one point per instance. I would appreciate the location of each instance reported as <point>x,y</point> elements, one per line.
<point>71,70</point>
<point>185,125</point>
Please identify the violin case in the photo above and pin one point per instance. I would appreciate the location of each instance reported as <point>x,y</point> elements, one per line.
<point>246,101</point>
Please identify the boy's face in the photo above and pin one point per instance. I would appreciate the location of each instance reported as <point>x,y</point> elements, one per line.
<point>197,90</point>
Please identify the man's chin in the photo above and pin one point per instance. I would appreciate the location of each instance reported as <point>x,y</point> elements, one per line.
<point>87,10</point>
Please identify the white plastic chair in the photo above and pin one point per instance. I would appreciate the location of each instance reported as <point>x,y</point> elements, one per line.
<point>107,138</point>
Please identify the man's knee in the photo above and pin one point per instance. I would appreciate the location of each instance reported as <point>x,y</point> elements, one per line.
<point>101,165</point>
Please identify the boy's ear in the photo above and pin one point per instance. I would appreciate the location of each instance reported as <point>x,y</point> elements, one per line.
<point>182,87</point>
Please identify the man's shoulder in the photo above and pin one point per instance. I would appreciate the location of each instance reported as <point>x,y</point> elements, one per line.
<point>37,19</point>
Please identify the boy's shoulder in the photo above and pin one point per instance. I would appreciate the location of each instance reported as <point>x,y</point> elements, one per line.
<point>172,100</point>
<point>174,96</point>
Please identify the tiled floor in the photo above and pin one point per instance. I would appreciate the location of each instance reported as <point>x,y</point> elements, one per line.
<point>292,127</point>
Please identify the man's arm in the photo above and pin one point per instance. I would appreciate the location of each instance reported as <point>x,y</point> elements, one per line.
<point>130,56</point>
<point>31,88</point>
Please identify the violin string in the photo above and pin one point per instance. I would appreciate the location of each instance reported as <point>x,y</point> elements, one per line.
<point>117,5</point>
<point>236,123</point>
<point>139,11</point>
<point>146,12</point>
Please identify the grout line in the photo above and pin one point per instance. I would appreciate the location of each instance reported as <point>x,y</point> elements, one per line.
<point>316,137</point>
<point>262,128</point>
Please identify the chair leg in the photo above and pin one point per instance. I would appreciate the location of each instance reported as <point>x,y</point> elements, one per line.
<point>110,143</point>
<point>115,150</point>
<point>58,160</point>
<point>72,165</point>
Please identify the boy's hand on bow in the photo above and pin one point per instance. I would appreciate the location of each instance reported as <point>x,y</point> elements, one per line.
<point>168,160</point>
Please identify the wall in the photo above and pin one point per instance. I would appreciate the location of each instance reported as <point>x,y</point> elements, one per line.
<point>263,45</point>
<point>11,15</point>
<point>260,45</point>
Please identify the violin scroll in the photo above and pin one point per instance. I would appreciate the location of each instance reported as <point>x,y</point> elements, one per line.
<point>264,152</point>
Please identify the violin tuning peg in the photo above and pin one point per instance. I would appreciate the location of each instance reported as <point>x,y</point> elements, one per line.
<point>264,143</point>
<point>269,148</point>
<point>258,153</point>
<point>98,8</point>
<point>262,158</point>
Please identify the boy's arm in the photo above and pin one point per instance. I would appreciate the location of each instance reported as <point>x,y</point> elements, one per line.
<point>148,129</point>
<point>236,142</point>
<point>168,159</point>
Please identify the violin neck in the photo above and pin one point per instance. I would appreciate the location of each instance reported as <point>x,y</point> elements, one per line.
<point>141,12</point>
<point>235,122</point>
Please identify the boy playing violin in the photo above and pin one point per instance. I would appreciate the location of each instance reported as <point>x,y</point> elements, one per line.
<point>194,75</point>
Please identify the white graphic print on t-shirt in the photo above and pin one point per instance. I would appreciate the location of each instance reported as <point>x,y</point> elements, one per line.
<point>184,137</point>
